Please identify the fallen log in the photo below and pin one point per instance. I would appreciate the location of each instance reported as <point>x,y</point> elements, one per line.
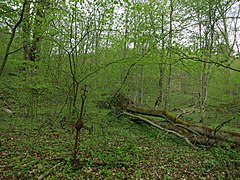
<point>191,133</point>
<point>157,113</point>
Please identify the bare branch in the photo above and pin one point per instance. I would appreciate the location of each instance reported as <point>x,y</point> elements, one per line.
<point>184,56</point>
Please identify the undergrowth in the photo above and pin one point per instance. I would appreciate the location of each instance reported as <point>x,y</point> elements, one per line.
<point>33,145</point>
<point>117,149</point>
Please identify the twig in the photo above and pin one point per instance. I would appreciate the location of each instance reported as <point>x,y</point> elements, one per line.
<point>184,56</point>
<point>46,173</point>
<point>220,126</point>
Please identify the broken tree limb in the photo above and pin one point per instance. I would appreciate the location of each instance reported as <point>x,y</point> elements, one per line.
<point>164,120</point>
<point>157,126</point>
<point>220,126</point>
<point>194,133</point>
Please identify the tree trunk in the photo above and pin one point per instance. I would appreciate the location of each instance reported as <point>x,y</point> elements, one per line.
<point>5,58</point>
<point>37,30</point>
<point>26,33</point>
<point>169,79</point>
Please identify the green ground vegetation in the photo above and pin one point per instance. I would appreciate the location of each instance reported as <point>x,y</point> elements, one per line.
<point>33,141</point>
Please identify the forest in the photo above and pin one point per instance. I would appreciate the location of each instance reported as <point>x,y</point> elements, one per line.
<point>119,89</point>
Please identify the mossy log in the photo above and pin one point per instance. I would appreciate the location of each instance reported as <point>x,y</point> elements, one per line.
<point>193,134</point>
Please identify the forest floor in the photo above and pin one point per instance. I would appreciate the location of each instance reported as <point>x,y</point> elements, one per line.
<point>116,149</point>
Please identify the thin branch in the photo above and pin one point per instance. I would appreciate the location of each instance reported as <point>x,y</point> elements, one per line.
<point>158,126</point>
<point>130,67</point>
<point>184,56</point>
<point>220,126</point>
<point>100,68</point>
<point>15,50</point>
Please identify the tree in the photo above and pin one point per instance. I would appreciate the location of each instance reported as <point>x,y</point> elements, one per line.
<point>12,35</point>
<point>26,32</point>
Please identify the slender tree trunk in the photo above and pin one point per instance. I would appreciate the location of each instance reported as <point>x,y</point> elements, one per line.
<point>5,58</point>
<point>161,69</point>
<point>125,48</point>
<point>72,62</point>
<point>26,33</point>
<point>37,30</point>
<point>203,92</point>
<point>169,80</point>
<point>206,67</point>
<point>170,56</point>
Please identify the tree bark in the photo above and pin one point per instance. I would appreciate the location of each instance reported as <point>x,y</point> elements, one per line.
<point>5,58</point>
<point>191,133</point>
<point>26,32</point>
<point>37,30</point>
